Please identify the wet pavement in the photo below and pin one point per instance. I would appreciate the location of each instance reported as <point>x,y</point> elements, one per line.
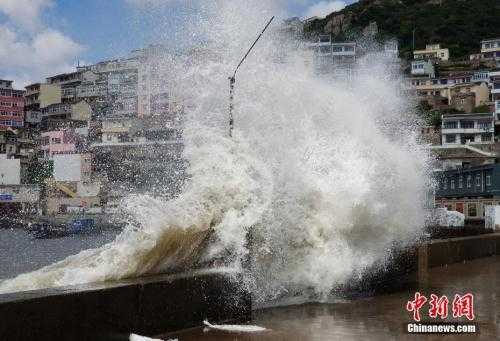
<point>382,317</point>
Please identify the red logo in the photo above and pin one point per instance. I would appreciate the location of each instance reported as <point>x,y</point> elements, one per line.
<point>439,307</point>
<point>463,306</point>
<point>415,305</point>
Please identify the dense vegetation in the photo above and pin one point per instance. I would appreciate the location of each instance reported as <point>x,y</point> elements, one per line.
<point>457,24</point>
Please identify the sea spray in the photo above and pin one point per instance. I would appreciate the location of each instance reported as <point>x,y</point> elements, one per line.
<point>323,173</point>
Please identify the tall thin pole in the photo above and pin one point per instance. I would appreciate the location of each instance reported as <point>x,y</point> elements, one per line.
<point>414,38</point>
<point>232,79</point>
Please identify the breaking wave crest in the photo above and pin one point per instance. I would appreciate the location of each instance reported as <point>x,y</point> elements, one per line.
<point>324,175</point>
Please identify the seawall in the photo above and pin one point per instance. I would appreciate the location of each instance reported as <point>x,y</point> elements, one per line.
<point>159,304</point>
<point>111,311</point>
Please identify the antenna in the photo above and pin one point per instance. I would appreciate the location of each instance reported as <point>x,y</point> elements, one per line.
<point>232,79</point>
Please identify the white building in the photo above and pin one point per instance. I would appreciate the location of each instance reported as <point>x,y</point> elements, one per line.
<point>468,129</point>
<point>422,68</point>
<point>333,58</point>
<point>72,167</point>
<point>495,90</point>
<point>490,48</point>
<point>10,171</point>
<point>15,197</point>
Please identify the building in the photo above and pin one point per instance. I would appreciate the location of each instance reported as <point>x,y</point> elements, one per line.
<point>65,141</point>
<point>495,91</point>
<point>471,129</point>
<point>469,189</point>
<point>423,68</point>
<point>110,87</point>
<point>66,114</point>
<point>453,90</point>
<point>391,48</point>
<point>39,96</point>
<point>452,156</point>
<point>72,187</point>
<point>432,52</point>
<point>430,135</point>
<point>292,28</point>
<point>11,106</point>
<point>156,91</point>
<point>490,49</point>
<point>141,155</point>
<point>14,196</point>
<point>336,52</point>
<point>68,82</point>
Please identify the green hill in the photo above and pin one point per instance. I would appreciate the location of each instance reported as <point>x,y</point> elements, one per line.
<point>459,25</point>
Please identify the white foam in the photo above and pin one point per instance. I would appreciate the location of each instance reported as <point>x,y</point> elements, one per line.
<point>135,337</point>
<point>232,328</point>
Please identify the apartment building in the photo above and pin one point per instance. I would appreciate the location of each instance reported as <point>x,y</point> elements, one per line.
<point>423,68</point>
<point>11,106</point>
<point>461,91</point>
<point>490,48</point>
<point>469,189</point>
<point>66,141</point>
<point>495,91</point>
<point>111,87</point>
<point>156,91</point>
<point>432,52</point>
<point>470,129</point>
<point>329,56</point>
<point>68,82</point>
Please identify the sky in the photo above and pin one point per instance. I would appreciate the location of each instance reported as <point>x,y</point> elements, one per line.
<point>40,38</point>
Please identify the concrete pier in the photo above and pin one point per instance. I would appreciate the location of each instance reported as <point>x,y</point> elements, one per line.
<point>111,311</point>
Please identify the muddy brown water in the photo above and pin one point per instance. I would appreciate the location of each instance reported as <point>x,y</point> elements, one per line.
<point>378,318</point>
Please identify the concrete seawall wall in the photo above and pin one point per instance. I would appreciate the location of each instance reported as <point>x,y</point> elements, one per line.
<point>159,304</point>
<point>442,252</point>
<point>147,306</point>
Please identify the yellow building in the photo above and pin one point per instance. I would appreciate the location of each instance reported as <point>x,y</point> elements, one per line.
<point>432,51</point>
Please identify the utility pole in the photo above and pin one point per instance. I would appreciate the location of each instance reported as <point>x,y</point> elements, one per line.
<point>232,80</point>
<point>414,30</point>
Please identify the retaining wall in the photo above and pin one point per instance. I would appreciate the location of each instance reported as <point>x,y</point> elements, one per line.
<point>147,306</point>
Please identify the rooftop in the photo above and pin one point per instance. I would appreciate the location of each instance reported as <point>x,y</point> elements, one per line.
<point>489,40</point>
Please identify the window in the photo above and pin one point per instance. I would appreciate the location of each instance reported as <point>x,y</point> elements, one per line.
<point>467,124</point>
<point>450,125</point>
<point>486,137</point>
<point>488,180</point>
<point>478,181</point>
<point>325,49</point>
<point>461,182</point>
<point>445,183</point>
<point>484,125</point>
<point>472,209</point>
<point>450,138</point>
<point>469,181</point>
<point>452,184</point>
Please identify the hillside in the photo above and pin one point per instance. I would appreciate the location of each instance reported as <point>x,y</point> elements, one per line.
<point>457,24</point>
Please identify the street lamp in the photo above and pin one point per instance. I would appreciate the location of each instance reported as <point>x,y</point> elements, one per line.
<point>232,80</point>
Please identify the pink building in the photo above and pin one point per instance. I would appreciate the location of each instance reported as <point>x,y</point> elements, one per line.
<point>60,142</point>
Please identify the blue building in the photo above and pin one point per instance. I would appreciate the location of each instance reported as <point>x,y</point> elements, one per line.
<point>468,190</point>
